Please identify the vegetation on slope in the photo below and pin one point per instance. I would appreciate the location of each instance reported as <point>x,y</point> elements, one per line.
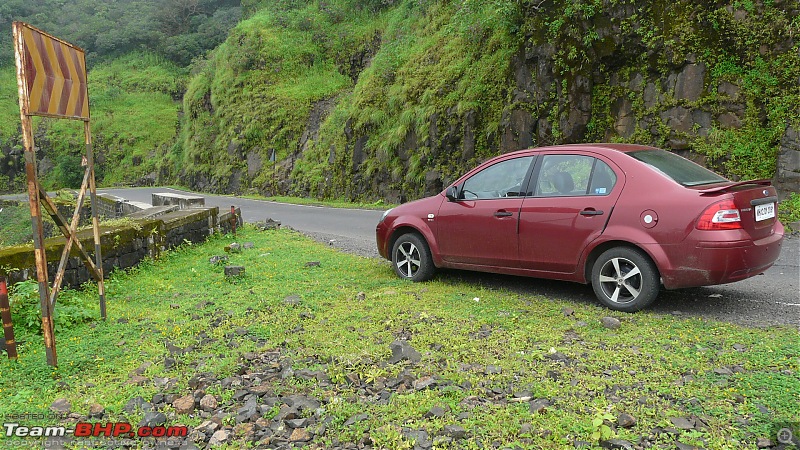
<point>137,56</point>
<point>441,82</point>
<point>436,60</point>
<point>386,72</point>
<point>134,121</point>
<point>256,92</point>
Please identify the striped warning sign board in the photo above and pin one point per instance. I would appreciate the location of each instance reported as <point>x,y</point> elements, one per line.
<point>53,74</point>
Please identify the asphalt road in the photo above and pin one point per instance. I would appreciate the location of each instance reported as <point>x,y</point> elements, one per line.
<point>769,299</point>
<point>340,223</point>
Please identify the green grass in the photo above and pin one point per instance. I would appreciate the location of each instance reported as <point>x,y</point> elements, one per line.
<point>15,225</point>
<point>654,367</point>
<point>9,102</point>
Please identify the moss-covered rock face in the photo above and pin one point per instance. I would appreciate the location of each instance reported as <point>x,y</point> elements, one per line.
<point>341,99</point>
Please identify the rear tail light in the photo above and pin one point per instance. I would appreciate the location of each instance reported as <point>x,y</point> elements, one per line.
<point>722,215</point>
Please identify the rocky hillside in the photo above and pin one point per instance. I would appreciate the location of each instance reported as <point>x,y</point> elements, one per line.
<point>393,99</point>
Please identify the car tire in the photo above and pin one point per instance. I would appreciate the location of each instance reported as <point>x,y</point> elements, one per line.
<point>625,279</point>
<point>411,258</point>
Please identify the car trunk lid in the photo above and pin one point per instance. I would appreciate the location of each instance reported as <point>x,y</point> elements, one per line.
<point>731,185</point>
<point>757,201</point>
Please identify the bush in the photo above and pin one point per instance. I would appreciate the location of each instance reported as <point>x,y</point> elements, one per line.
<point>69,172</point>
<point>72,308</point>
<point>789,210</point>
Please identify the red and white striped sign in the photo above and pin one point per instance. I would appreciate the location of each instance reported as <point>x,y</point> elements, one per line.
<point>53,74</point>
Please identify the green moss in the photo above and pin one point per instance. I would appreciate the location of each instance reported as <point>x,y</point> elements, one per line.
<point>21,256</point>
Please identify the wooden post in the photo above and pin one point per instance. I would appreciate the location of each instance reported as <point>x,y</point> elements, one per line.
<point>36,212</point>
<point>8,327</point>
<point>38,242</point>
<point>95,218</point>
<point>71,239</point>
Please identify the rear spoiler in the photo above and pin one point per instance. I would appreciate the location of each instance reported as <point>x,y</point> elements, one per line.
<point>724,188</point>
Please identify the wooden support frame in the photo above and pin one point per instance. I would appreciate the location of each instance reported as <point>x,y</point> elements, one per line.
<point>54,71</point>
<point>8,327</point>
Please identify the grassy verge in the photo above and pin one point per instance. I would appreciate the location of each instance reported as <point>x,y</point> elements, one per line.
<point>495,368</point>
<point>331,203</point>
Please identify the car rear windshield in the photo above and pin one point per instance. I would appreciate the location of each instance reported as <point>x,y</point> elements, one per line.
<point>678,168</point>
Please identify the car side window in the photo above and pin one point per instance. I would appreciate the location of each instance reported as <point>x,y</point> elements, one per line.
<point>603,179</point>
<point>574,175</point>
<point>500,180</point>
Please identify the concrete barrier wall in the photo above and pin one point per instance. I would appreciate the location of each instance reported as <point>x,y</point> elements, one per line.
<point>122,246</point>
<point>113,207</point>
<point>184,201</point>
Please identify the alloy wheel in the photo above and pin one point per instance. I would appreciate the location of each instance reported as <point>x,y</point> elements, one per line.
<point>407,259</point>
<point>620,280</point>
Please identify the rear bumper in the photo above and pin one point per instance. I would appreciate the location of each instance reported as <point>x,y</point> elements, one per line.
<point>719,262</point>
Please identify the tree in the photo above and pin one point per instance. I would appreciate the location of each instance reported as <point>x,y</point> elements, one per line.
<point>175,16</point>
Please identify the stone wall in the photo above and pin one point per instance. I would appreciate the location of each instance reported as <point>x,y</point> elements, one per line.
<point>122,247</point>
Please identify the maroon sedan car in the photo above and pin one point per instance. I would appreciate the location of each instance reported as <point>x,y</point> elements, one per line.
<point>625,218</point>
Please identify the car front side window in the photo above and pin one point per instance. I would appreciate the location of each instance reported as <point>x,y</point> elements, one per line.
<point>500,180</point>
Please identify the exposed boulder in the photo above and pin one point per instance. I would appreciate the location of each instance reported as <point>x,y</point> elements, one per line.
<point>788,174</point>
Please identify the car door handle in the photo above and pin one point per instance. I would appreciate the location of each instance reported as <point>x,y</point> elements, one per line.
<point>503,214</point>
<point>591,212</point>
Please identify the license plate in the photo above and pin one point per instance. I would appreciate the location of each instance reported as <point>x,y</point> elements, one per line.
<point>765,211</point>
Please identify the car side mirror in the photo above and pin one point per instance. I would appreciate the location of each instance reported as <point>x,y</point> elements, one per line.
<point>452,194</point>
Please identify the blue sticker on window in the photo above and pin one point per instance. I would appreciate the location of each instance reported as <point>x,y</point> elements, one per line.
<point>600,190</point>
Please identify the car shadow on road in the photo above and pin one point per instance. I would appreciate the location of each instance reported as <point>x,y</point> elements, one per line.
<point>723,303</point>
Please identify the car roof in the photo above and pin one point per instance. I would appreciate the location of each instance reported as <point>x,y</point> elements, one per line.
<point>625,148</point>
<point>602,147</point>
